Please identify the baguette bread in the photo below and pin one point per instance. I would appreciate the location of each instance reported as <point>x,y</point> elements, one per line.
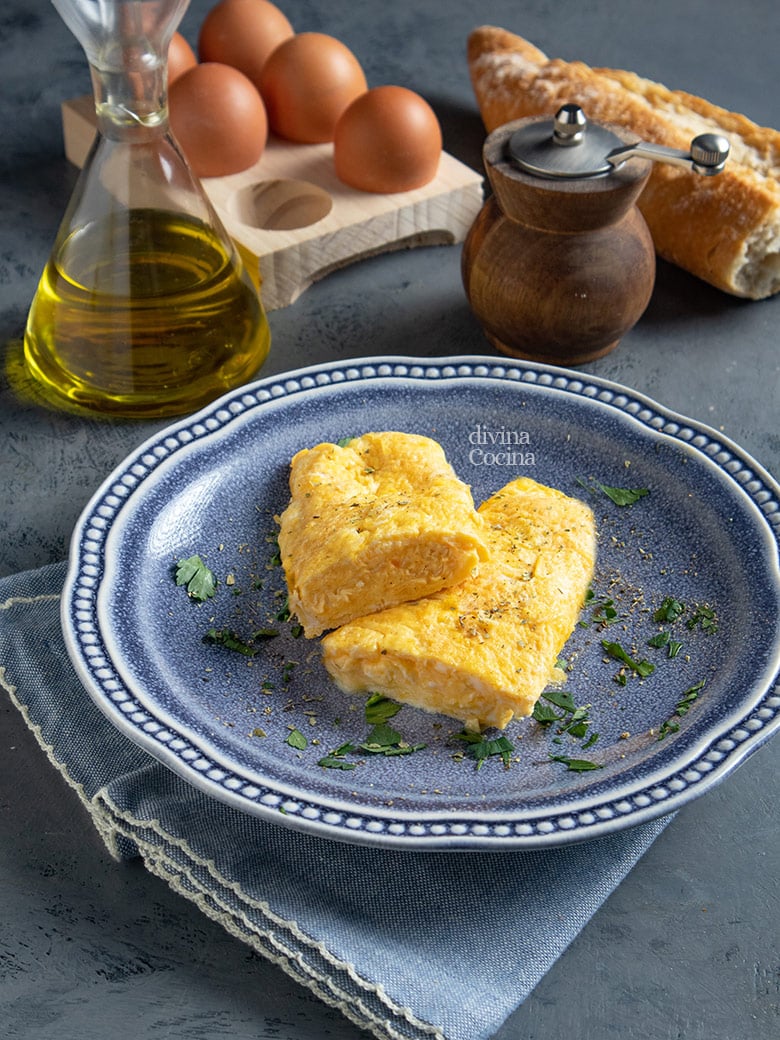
<point>724,229</point>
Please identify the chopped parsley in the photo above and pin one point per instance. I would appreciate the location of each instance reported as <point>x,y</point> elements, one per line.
<point>337,760</point>
<point>705,618</point>
<point>674,648</point>
<point>481,748</point>
<point>296,739</point>
<point>381,737</point>
<point>384,740</point>
<point>659,639</point>
<point>380,708</point>
<point>642,668</point>
<point>663,639</point>
<point>605,612</point>
<point>576,765</point>
<point>276,556</point>
<point>573,720</point>
<point>200,581</point>
<point>670,610</point>
<point>702,617</point>
<point>561,698</point>
<point>681,708</point>
<point>545,714</point>
<point>228,639</point>
<point>620,496</point>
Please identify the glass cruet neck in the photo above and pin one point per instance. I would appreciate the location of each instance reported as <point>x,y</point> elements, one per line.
<point>126,44</point>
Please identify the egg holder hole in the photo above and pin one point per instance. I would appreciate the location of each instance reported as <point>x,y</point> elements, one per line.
<point>280,205</point>
<point>294,221</point>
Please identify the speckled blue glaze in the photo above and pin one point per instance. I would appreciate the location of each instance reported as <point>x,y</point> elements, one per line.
<point>707,533</point>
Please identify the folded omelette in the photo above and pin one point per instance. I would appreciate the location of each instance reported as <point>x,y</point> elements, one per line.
<point>374,522</point>
<point>483,650</point>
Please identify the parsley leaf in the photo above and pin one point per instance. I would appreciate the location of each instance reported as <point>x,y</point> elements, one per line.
<point>380,708</point>
<point>576,765</point>
<point>623,496</point>
<point>605,612</point>
<point>296,740</point>
<point>481,748</point>
<point>642,668</point>
<point>544,714</point>
<point>620,496</point>
<point>574,721</point>
<point>670,610</point>
<point>681,708</point>
<point>200,581</point>
<point>384,740</point>
<point>659,639</point>
<point>705,617</point>
<point>228,639</point>
<point>336,760</point>
<point>380,738</point>
<point>561,699</point>
<point>402,748</point>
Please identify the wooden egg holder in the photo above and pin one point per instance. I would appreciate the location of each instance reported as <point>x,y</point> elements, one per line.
<point>294,221</point>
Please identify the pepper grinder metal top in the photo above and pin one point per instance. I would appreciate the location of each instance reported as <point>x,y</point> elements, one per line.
<point>570,146</point>
<point>559,263</point>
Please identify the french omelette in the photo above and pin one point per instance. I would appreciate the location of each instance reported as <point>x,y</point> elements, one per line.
<point>482,651</point>
<point>378,521</point>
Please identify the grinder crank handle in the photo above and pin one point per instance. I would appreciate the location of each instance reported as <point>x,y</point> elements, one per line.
<point>707,155</point>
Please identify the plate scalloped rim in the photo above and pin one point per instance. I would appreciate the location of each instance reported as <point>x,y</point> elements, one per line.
<point>714,756</point>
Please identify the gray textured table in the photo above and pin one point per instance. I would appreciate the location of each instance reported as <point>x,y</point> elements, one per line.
<point>688,946</point>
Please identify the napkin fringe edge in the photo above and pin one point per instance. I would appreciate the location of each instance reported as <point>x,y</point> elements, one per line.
<point>130,826</point>
<point>292,962</point>
<point>104,814</point>
<point>108,838</point>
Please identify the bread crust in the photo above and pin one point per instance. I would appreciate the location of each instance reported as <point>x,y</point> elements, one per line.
<point>724,229</point>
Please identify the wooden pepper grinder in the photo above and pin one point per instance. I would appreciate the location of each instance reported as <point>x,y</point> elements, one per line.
<point>559,263</point>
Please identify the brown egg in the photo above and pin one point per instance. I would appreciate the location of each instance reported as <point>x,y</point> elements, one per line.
<point>306,84</point>
<point>387,140</point>
<point>218,118</point>
<point>180,57</point>
<point>242,33</point>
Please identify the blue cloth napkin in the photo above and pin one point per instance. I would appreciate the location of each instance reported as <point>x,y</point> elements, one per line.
<point>406,944</point>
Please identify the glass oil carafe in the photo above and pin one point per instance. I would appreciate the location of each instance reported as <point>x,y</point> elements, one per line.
<point>144,307</point>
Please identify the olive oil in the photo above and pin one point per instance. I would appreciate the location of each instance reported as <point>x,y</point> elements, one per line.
<point>144,313</point>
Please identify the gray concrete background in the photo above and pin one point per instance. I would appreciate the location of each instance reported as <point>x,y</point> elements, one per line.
<point>687,947</point>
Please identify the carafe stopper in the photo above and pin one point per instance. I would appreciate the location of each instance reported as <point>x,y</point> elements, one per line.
<point>571,147</point>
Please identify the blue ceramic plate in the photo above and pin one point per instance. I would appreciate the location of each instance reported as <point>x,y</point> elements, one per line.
<point>705,533</point>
